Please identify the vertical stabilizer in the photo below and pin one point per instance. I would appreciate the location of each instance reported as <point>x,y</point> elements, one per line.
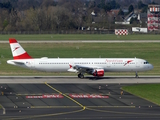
<point>17,51</point>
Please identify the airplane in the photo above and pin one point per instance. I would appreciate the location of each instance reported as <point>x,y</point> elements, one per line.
<point>92,66</point>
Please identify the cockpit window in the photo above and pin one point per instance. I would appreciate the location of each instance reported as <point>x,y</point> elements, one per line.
<point>146,62</point>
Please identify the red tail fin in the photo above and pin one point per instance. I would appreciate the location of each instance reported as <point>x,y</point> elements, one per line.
<point>17,51</point>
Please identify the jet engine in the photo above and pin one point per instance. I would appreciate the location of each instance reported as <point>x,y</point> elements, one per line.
<point>98,72</point>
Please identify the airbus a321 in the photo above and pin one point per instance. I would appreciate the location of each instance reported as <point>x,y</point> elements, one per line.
<point>92,66</point>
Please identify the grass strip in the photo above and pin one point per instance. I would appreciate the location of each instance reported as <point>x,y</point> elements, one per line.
<point>79,37</point>
<point>149,92</point>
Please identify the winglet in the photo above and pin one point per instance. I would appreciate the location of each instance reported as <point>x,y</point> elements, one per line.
<point>17,51</point>
<point>70,66</point>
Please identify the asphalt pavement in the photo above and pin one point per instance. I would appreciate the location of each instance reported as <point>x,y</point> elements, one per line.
<point>73,101</point>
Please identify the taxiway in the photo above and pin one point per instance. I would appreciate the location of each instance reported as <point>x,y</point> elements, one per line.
<point>76,80</point>
<point>25,98</point>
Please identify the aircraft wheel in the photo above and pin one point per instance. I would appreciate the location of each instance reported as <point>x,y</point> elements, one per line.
<point>81,76</point>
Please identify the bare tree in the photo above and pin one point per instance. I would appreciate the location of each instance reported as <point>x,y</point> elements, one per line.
<point>30,20</point>
<point>13,19</point>
<point>4,19</point>
<point>62,17</point>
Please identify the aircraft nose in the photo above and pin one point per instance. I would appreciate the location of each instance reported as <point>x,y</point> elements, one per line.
<point>151,66</point>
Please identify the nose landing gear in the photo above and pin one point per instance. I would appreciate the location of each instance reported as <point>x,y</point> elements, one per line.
<point>137,75</point>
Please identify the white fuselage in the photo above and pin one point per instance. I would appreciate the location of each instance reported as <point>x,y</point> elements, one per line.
<point>63,64</point>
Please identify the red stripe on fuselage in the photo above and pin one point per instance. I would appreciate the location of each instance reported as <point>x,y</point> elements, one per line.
<point>23,56</point>
<point>12,40</point>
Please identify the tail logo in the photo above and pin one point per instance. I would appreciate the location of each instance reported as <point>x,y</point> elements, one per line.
<point>15,49</point>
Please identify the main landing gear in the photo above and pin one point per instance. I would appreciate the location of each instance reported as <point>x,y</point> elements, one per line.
<point>137,75</point>
<point>80,75</point>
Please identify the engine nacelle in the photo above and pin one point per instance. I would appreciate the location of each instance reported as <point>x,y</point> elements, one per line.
<point>98,72</point>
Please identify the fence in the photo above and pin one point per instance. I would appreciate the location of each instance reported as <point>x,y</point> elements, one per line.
<point>72,32</point>
<point>60,32</point>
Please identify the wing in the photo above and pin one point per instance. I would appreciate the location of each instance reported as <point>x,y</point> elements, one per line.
<point>82,69</point>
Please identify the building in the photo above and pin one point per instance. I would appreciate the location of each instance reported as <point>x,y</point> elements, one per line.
<point>153,15</point>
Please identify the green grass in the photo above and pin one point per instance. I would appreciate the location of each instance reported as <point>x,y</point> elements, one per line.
<point>148,51</point>
<point>149,92</point>
<point>80,37</point>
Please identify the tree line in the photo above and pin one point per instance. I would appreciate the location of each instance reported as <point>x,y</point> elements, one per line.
<point>54,15</point>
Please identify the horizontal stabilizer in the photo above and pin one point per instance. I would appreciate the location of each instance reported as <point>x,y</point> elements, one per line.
<point>13,62</point>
